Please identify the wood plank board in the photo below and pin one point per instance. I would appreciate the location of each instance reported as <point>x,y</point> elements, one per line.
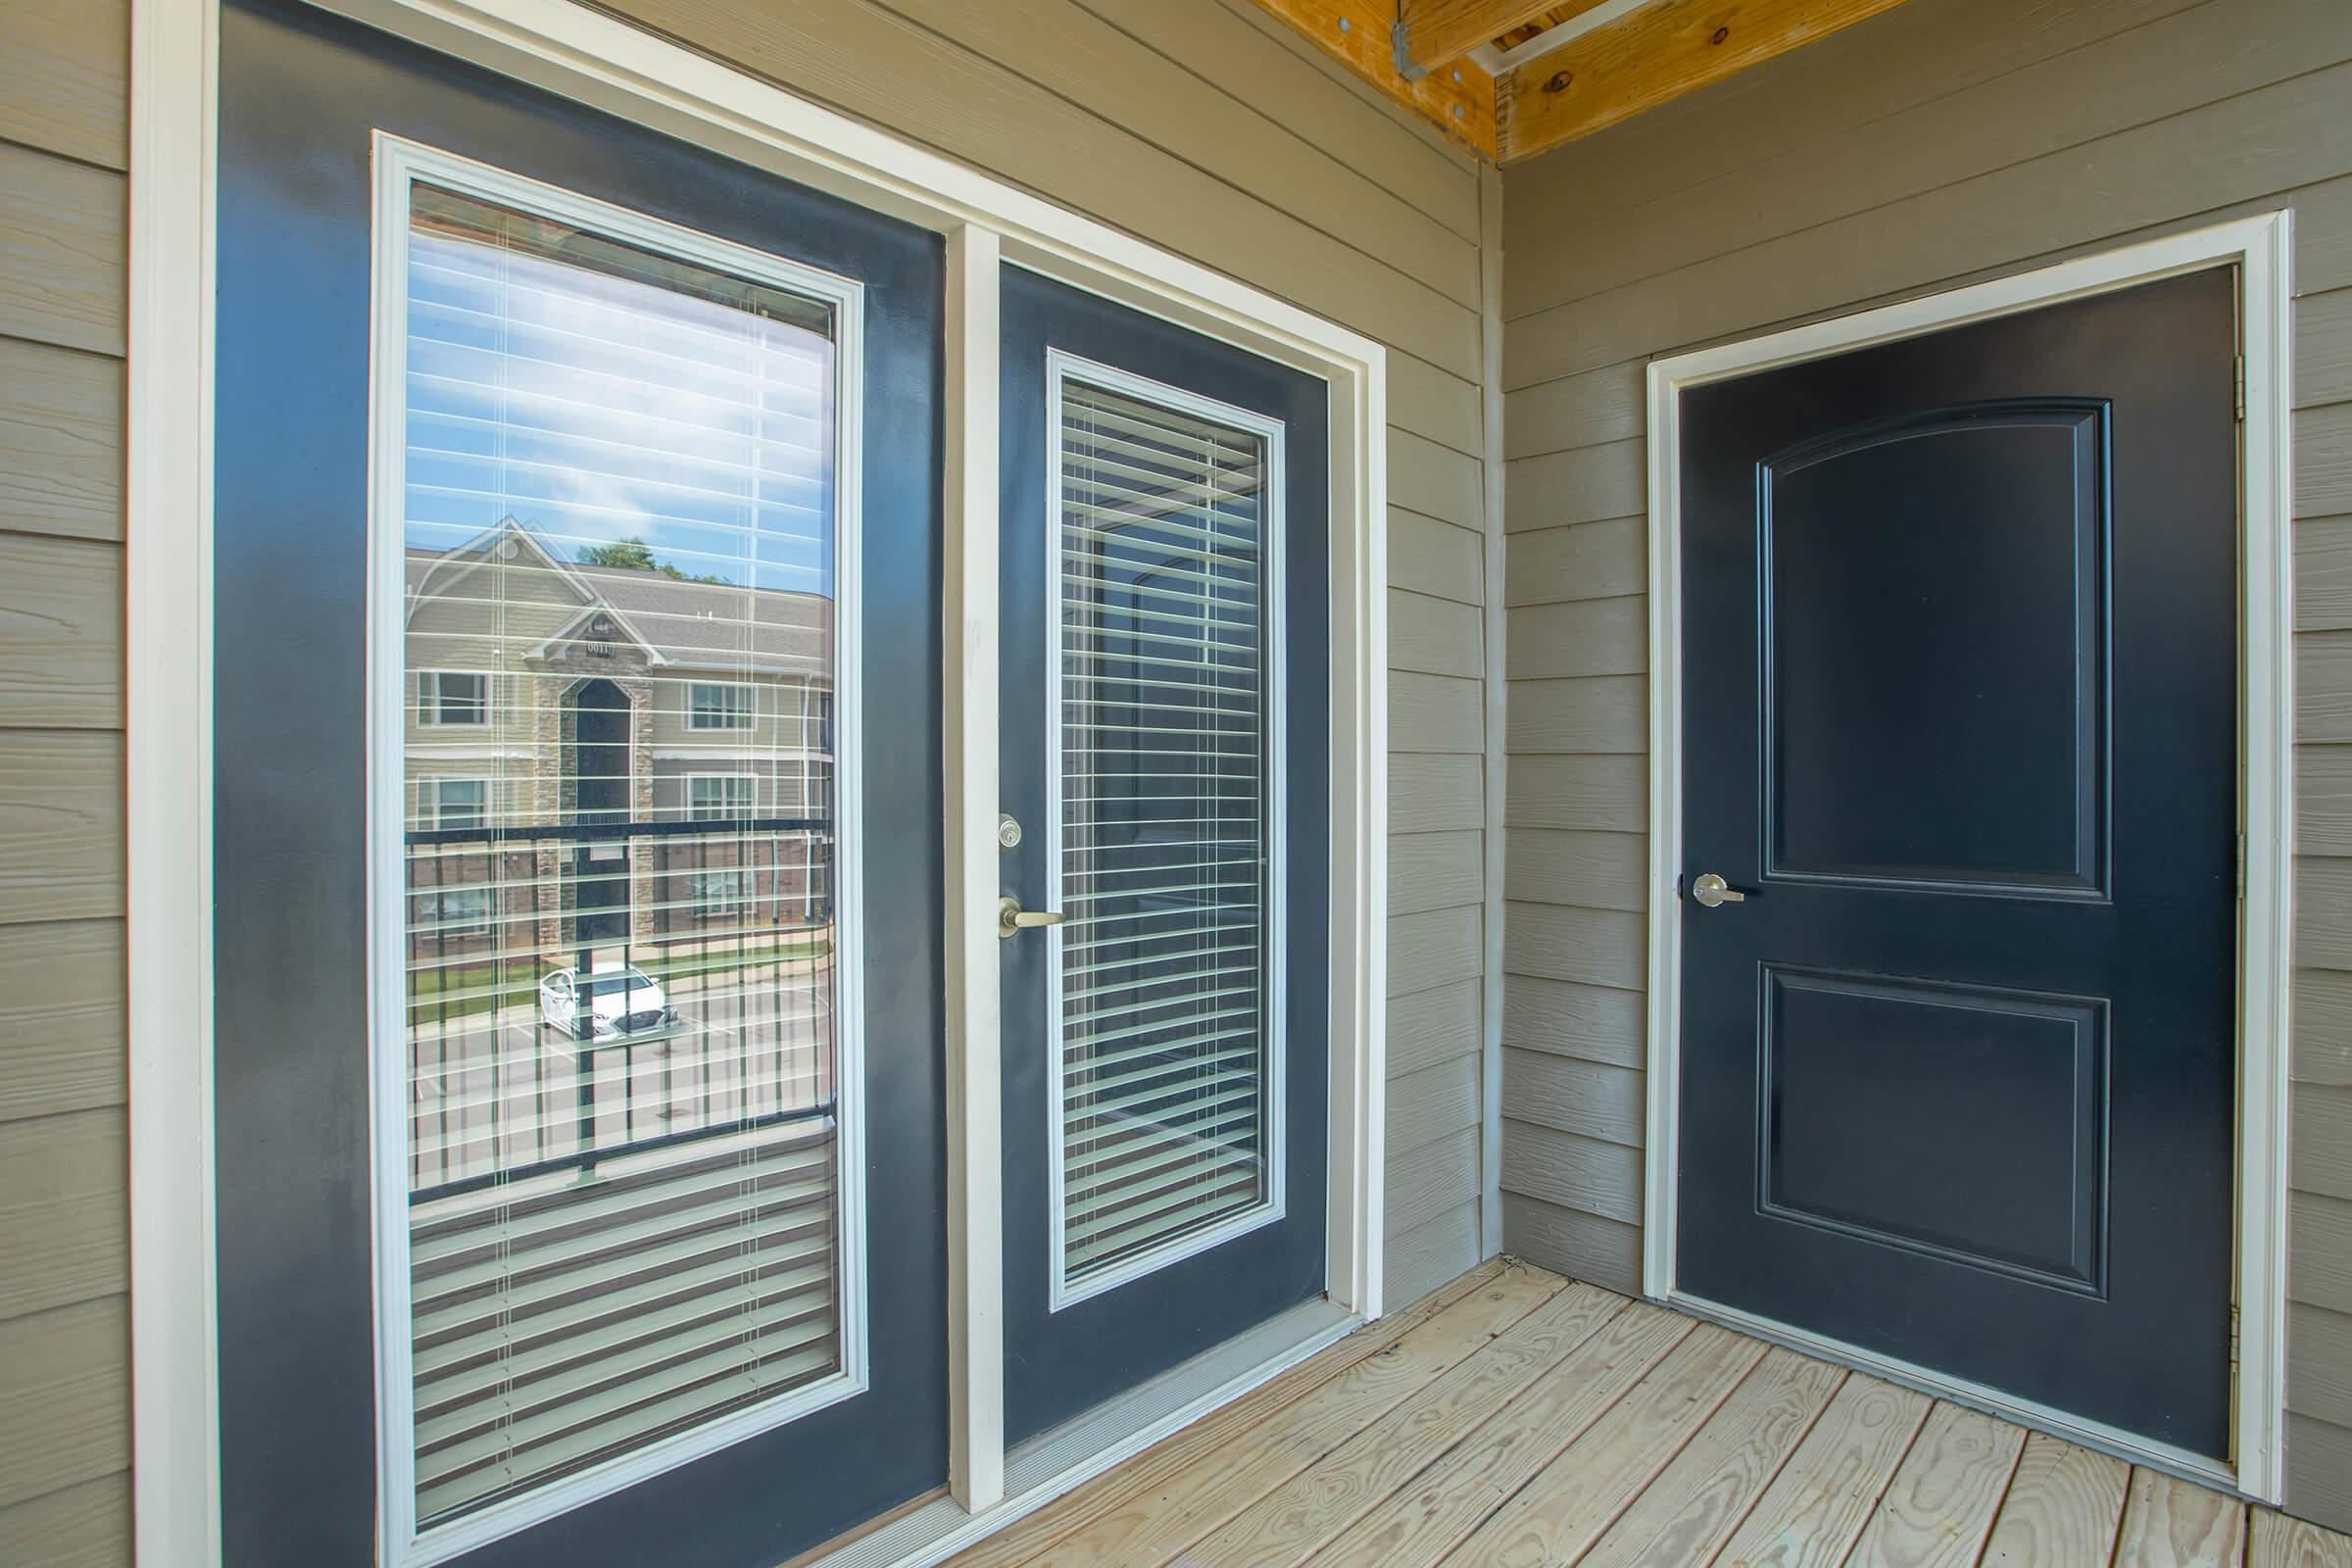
<point>1691,1511</point>
<point>2063,1505</point>
<point>1816,1507</point>
<point>2171,1523</point>
<point>2277,1542</point>
<point>1653,56</point>
<point>1436,31</point>
<point>1574,1499</point>
<point>1424,1521</point>
<point>1217,1484</point>
<point>1291,1522</point>
<point>1940,1508</point>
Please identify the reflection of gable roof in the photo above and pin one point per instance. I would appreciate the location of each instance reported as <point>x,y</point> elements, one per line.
<point>704,625</point>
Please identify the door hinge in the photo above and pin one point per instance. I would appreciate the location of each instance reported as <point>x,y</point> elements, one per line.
<point>2233,1334</point>
<point>2238,388</point>
<point>2242,866</point>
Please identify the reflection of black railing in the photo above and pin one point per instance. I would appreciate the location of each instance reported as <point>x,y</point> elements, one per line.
<point>504,1092</point>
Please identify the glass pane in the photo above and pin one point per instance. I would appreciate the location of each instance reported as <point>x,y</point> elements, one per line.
<point>619,958</point>
<point>1164,780</point>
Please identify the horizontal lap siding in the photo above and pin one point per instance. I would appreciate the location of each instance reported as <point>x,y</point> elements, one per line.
<point>1944,141</point>
<point>1210,130</point>
<point>65,1431</point>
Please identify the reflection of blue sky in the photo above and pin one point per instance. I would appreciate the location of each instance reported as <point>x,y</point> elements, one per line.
<point>598,407</point>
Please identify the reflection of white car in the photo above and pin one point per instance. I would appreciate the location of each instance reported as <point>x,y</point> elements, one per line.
<point>607,1004</point>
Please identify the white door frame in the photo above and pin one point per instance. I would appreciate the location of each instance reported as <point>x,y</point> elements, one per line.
<point>600,61</point>
<point>2259,246</point>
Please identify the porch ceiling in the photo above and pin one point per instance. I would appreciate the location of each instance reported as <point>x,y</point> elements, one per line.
<point>1509,79</point>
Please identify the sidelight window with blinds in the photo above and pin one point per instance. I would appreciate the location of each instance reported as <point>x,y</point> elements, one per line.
<point>1166,783</point>
<point>616,1065</point>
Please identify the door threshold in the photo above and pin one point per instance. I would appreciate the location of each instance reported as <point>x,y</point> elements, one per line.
<point>1069,1455</point>
<point>2079,1429</point>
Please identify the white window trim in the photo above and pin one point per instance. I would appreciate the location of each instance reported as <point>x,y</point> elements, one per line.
<point>400,165</point>
<point>429,803</point>
<point>689,780</point>
<point>1062,367</point>
<point>751,708</point>
<point>2260,248</point>
<point>601,61</point>
<point>744,902</point>
<point>489,700</point>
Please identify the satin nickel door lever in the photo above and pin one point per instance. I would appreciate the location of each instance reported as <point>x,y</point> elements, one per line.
<point>1712,890</point>
<point>1012,917</point>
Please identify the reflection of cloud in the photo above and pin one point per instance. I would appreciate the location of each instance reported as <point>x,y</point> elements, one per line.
<point>601,408</point>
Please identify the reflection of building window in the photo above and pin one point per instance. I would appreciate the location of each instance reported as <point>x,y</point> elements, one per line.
<point>718,894</point>
<point>451,697</point>
<point>455,911</point>
<point>728,796</point>
<point>454,803</point>
<point>717,704</point>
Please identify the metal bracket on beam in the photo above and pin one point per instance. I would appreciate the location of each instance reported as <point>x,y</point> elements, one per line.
<point>1400,41</point>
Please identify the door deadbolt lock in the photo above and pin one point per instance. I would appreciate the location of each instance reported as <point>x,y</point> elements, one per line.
<point>1009,831</point>
<point>1011,918</point>
<point>1710,890</point>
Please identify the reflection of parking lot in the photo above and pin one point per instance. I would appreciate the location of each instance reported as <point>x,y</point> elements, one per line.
<point>495,1094</point>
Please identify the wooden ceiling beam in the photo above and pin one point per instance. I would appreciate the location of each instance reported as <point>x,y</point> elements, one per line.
<point>1652,56</point>
<point>1457,97</point>
<point>1435,32</point>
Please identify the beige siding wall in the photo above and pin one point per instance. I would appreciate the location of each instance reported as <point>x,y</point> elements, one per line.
<point>64,1325</point>
<point>1207,128</point>
<point>1942,142</point>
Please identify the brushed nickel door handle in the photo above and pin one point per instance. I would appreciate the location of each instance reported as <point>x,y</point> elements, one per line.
<point>1012,917</point>
<point>1710,890</point>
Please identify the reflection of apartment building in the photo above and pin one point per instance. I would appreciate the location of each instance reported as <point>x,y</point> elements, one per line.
<point>603,753</point>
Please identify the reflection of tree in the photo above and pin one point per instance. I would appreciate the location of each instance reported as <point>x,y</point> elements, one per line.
<point>635,555</point>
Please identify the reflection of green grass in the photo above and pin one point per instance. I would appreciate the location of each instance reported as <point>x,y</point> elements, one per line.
<point>456,991</point>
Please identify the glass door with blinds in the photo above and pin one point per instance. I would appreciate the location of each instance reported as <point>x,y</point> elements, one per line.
<point>1164,755</point>
<point>581,836</point>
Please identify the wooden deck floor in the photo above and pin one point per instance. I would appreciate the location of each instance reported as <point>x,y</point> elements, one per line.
<point>1514,1417</point>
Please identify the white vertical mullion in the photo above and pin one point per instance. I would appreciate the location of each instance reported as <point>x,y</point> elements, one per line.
<point>975,1074</point>
<point>175,1459</point>
<point>1356,987</point>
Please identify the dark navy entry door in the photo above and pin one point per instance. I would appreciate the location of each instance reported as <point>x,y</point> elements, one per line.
<point>580,830</point>
<point>1959,721</point>
<point>1166,748</point>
